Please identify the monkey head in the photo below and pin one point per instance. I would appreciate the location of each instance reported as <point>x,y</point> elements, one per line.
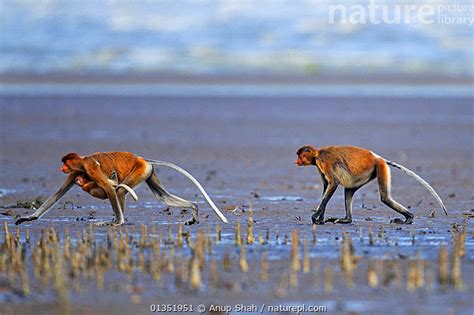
<point>306,156</point>
<point>72,162</point>
<point>80,180</point>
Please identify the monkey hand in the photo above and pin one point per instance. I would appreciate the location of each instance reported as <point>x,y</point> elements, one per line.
<point>25,219</point>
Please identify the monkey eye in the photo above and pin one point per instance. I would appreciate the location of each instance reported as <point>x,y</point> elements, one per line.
<point>306,150</point>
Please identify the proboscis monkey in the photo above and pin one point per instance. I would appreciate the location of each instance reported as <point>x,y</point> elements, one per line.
<point>109,174</point>
<point>352,168</point>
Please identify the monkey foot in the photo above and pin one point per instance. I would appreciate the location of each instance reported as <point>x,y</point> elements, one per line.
<point>339,220</point>
<point>318,221</point>
<point>25,219</point>
<point>191,222</point>
<point>108,223</point>
<point>400,221</point>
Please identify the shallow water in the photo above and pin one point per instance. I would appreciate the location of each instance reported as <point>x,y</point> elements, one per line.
<point>233,37</point>
<point>239,90</point>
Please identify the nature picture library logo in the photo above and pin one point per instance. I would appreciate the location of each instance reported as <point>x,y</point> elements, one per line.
<point>402,12</point>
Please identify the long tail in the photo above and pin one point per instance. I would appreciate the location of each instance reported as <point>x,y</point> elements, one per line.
<point>130,190</point>
<point>420,180</point>
<point>195,181</point>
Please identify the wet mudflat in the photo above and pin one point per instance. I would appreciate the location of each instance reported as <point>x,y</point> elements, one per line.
<point>242,149</point>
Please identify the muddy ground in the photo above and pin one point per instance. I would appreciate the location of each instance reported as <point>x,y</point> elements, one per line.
<point>242,149</point>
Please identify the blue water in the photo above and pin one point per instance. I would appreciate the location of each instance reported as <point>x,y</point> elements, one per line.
<point>245,90</point>
<point>282,36</point>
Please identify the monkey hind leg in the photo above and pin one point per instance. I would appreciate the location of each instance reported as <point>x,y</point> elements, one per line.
<point>171,200</point>
<point>175,201</point>
<point>384,181</point>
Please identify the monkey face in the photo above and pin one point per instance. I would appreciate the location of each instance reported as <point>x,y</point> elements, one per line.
<point>303,160</point>
<point>65,168</point>
<point>305,156</point>
<point>70,160</point>
<point>70,166</point>
<point>80,180</point>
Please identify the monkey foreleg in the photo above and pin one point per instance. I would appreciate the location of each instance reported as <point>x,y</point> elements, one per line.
<point>348,194</point>
<point>318,217</point>
<point>325,187</point>
<point>51,201</point>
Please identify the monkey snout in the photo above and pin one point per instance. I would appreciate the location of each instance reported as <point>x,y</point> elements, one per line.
<point>63,169</point>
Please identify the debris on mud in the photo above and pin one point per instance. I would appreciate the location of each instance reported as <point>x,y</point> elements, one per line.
<point>9,213</point>
<point>230,208</point>
<point>26,204</point>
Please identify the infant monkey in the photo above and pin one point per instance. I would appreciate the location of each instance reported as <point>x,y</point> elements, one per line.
<point>92,188</point>
<point>352,168</point>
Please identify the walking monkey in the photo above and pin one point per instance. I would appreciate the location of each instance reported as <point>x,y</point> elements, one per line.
<point>93,173</point>
<point>352,168</point>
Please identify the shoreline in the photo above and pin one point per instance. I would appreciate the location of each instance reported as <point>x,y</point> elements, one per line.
<point>222,79</point>
<point>237,90</point>
<point>177,85</point>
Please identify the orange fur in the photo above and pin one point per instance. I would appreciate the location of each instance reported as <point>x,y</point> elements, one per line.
<point>90,187</point>
<point>126,165</point>
<point>351,167</point>
<point>335,162</point>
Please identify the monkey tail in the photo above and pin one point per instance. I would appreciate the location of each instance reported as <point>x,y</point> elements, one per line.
<point>130,190</point>
<point>195,182</point>
<point>420,180</point>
